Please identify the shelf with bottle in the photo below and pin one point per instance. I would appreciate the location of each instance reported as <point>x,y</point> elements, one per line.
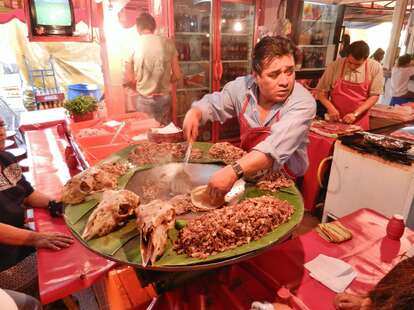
<point>194,21</point>
<point>187,89</point>
<point>235,61</point>
<point>192,34</point>
<point>198,50</point>
<point>235,34</point>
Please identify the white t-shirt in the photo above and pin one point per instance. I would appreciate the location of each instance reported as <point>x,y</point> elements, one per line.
<point>399,80</point>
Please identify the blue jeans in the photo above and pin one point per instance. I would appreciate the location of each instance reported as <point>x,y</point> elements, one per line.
<point>158,107</point>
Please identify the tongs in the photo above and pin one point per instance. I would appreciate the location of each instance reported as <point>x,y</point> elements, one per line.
<point>182,181</point>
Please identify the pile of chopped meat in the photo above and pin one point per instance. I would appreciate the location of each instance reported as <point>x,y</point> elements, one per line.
<point>146,153</point>
<point>232,226</point>
<point>273,181</point>
<point>182,204</point>
<point>118,167</point>
<point>226,152</point>
<point>153,189</point>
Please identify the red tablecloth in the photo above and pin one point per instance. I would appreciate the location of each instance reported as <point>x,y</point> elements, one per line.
<point>35,120</point>
<point>319,148</point>
<point>64,272</point>
<point>369,252</point>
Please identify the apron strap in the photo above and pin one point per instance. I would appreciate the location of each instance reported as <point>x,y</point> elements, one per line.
<point>246,102</point>
<point>366,73</point>
<point>343,69</point>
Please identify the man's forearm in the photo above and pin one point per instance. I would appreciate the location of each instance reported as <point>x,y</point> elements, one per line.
<point>15,236</point>
<point>37,200</point>
<point>372,100</point>
<point>255,161</point>
<point>323,98</point>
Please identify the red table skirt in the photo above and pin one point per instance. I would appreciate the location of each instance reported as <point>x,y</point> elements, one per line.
<point>60,272</point>
<point>319,148</point>
<point>370,253</point>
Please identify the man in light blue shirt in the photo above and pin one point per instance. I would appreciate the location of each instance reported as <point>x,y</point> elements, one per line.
<point>274,113</point>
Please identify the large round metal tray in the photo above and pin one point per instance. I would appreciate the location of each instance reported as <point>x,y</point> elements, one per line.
<point>199,175</point>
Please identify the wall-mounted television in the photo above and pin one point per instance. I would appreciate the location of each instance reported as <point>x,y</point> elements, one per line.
<point>52,17</point>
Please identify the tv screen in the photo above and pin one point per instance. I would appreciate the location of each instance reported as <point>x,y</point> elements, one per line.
<point>52,17</point>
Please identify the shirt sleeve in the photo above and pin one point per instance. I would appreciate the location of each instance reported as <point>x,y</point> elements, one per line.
<point>289,134</point>
<point>326,81</point>
<point>219,106</point>
<point>377,83</point>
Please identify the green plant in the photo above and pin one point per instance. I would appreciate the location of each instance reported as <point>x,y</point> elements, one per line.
<point>81,105</point>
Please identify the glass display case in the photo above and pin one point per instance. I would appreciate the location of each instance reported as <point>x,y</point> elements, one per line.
<point>193,38</point>
<point>214,41</point>
<point>316,32</point>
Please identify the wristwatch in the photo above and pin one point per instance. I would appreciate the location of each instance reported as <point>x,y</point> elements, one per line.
<point>356,114</point>
<point>238,170</point>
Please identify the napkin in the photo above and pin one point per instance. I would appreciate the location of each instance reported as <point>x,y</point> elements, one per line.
<point>331,272</point>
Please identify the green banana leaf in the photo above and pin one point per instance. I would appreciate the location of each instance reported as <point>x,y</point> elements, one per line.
<point>74,213</point>
<point>123,244</point>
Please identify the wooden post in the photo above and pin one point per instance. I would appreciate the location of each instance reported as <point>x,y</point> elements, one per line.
<point>397,22</point>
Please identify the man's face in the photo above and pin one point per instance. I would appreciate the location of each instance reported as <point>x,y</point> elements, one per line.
<point>354,64</point>
<point>277,79</point>
<point>2,138</point>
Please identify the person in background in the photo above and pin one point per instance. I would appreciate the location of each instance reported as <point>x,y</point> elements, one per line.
<point>274,113</point>
<point>378,55</point>
<point>395,291</point>
<point>400,77</point>
<point>150,70</point>
<point>18,244</point>
<point>346,40</point>
<point>350,86</point>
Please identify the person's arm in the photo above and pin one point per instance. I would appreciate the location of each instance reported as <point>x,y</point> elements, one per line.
<point>218,106</point>
<point>333,113</point>
<point>323,88</point>
<point>286,137</point>
<point>21,237</point>
<point>129,79</point>
<point>176,73</point>
<point>37,200</point>
<point>350,118</point>
<point>376,89</point>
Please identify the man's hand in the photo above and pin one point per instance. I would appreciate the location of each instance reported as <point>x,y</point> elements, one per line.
<point>344,301</point>
<point>51,240</point>
<point>334,115</point>
<point>349,118</point>
<point>191,123</point>
<point>220,184</point>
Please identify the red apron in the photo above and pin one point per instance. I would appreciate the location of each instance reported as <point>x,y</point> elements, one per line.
<point>348,96</point>
<point>250,137</point>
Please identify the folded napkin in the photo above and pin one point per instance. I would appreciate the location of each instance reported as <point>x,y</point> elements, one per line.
<point>331,272</point>
<point>334,232</point>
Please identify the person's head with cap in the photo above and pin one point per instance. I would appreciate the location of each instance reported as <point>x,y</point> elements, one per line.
<point>358,54</point>
<point>2,134</point>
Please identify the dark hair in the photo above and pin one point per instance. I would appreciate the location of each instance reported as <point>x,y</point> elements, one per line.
<point>404,60</point>
<point>346,39</point>
<point>395,291</point>
<point>359,50</point>
<point>269,48</point>
<point>378,54</point>
<point>146,22</point>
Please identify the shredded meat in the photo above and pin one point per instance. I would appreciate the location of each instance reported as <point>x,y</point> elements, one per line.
<point>226,152</point>
<point>273,181</point>
<point>151,190</point>
<point>146,153</point>
<point>117,168</point>
<point>196,154</point>
<point>232,226</point>
<point>182,204</point>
